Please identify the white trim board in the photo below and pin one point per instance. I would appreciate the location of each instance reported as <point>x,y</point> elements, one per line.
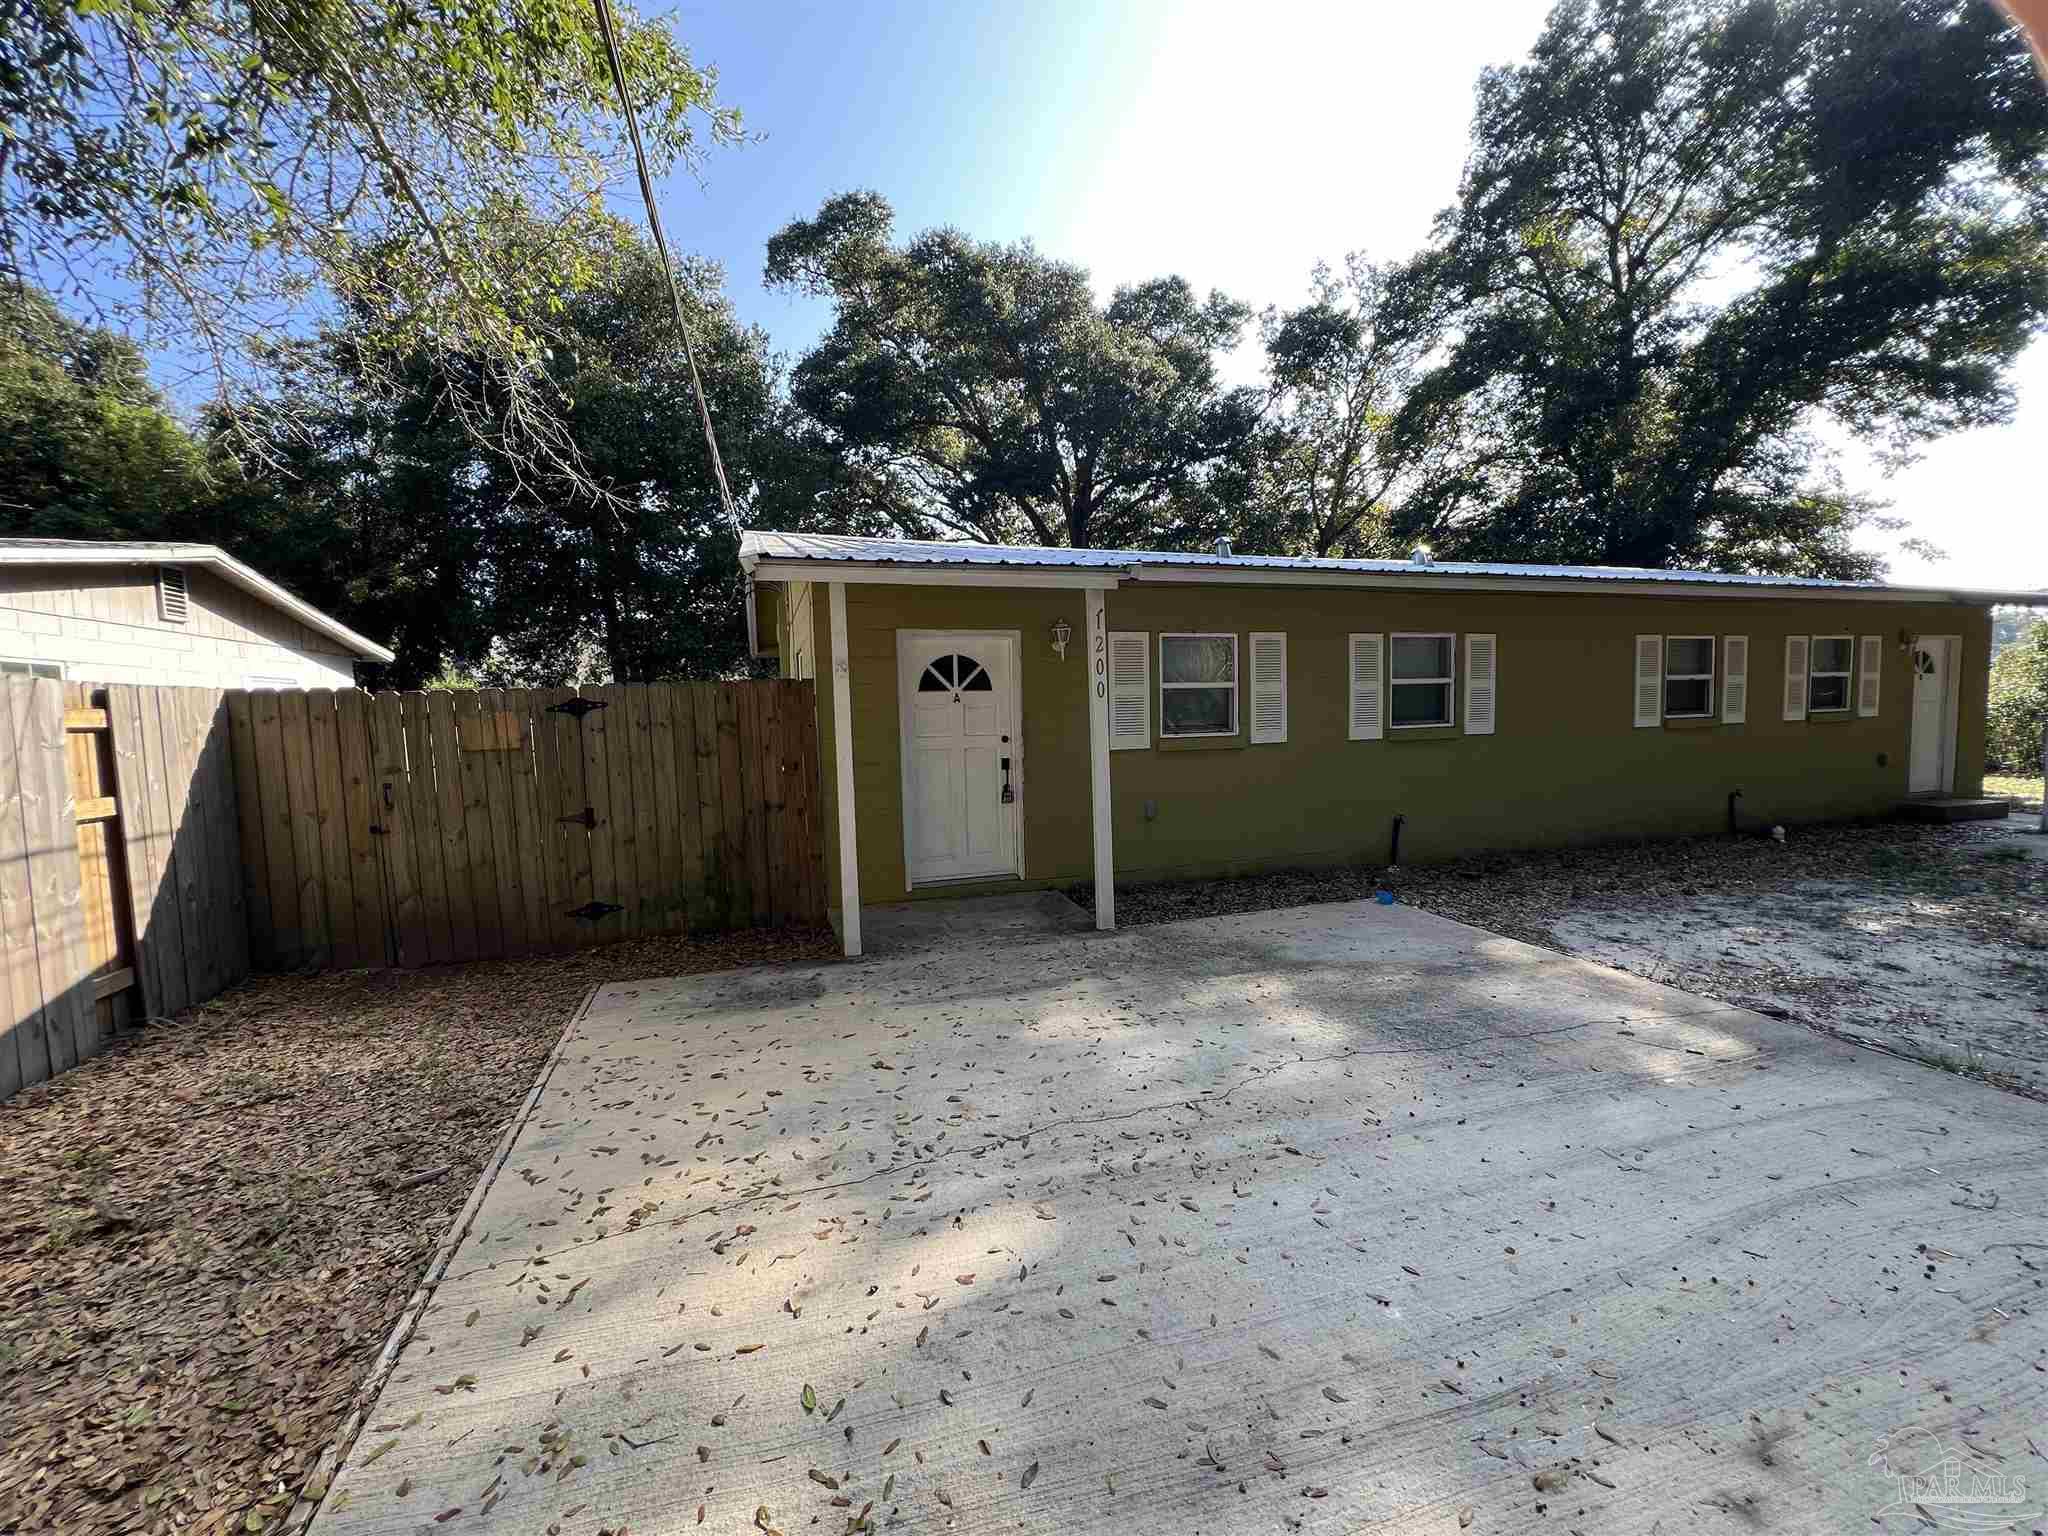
<point>1098,763</point>
<point>842,777</point>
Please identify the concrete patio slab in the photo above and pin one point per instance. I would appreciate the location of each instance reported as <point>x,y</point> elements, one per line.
<point>1337,1218</point>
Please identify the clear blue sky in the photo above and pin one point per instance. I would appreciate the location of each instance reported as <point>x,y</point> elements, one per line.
<point>1133,136</point>
<point>1138,137</point>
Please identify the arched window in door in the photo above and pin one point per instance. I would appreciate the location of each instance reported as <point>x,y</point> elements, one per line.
<point>954,674</point>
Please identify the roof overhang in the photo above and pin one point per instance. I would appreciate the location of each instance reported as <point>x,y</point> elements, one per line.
<point>205,557</point>
<point>881,573</point>
<point>1423,579</point>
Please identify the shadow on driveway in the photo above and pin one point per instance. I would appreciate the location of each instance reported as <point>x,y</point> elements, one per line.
<point>1308,1219</point>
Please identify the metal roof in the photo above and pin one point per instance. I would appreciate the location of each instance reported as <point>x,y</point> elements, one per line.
<point>209,556</point>
<point>757,546</point>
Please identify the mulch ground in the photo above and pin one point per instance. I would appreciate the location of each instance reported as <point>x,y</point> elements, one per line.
<point>207,1232</point>
<point>1523,894</point>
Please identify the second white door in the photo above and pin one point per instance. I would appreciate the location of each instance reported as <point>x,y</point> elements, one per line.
<point>960,761</point>
<point>1931,769</point>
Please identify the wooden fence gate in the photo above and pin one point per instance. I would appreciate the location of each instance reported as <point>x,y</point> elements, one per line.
<point>411,828</point>
<point>120,891</point>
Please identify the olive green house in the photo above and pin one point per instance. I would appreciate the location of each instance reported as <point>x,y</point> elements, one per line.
<point>994,717</point>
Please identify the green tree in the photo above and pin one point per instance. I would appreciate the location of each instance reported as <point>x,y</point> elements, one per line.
<point>357,500</point>
<point>2019,702</point>
<point>1692,232</point>
<point>465,558</point>
<point>208,168</point>
<point>2008,623</point>
<point>646,574</point>
<point>88,449</point>
<point>979,389</point>
<point>1331,463</point>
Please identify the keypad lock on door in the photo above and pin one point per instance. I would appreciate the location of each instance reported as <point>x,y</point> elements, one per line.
<point>1009,794</point>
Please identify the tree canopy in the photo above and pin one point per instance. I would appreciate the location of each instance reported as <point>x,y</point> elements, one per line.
<point>1690,236</point>
<point>522,580</point>
<point>2018,706</point>
<point>979,389</point>
<point>88,448</point>
<point>213,172</point>
<point>1333,462</point>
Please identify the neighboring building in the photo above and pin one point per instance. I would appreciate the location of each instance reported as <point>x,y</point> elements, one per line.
<point>185,614</point>
<point>1216,713</point>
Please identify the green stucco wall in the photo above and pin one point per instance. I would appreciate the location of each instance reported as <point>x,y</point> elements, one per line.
<point>1565,764</point>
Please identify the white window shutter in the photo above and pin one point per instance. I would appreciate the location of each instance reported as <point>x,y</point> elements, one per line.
<point>1130,689</point>
<point>1368,687</point>
<point>1482,683</point>
<point>1869,679</point>
<point>1649,679</point>
<point>1795,677</point>
<point>1734,679</point>
<point>1269,687</point>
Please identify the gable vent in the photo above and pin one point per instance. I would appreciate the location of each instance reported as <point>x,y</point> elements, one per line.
<point>173,603</point>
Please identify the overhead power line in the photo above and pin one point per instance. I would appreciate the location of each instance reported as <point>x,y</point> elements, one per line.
<point>608,29</point>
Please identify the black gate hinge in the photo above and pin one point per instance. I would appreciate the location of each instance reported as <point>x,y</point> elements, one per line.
<point>591,911</point>
<point>576,708</point>
<point>587,816</point>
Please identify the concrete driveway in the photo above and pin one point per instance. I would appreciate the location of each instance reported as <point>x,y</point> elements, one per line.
<point>1336,1218</point>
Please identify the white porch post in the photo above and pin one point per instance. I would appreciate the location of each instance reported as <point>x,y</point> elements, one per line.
<point>842,752</point>
<point>1098,760</point>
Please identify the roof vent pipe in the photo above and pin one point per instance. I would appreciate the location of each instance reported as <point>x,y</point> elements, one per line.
<point>1422,554</point>
<point>1223,547</point>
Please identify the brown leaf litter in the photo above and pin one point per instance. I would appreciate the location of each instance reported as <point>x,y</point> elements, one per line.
<point>207,1232</point>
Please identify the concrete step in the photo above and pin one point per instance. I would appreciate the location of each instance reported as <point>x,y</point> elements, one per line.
<point>1991,808</point>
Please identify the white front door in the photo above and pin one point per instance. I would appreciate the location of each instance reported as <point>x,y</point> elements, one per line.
<point>960,758</point>
<point>1932,765</point>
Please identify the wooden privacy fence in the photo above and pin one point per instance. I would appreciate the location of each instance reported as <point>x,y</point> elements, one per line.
<point>409,828</point>
<point>156,844</point>
<point>120,891</point>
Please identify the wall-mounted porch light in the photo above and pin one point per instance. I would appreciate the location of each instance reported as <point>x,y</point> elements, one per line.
<point>1062,632</point>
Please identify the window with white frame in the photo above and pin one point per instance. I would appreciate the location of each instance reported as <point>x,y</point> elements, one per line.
<point>1830,672</point>
<point>1688,677</point>
<point>1419,680</point>
<point>1198,685</point>
<point>12,667</point>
